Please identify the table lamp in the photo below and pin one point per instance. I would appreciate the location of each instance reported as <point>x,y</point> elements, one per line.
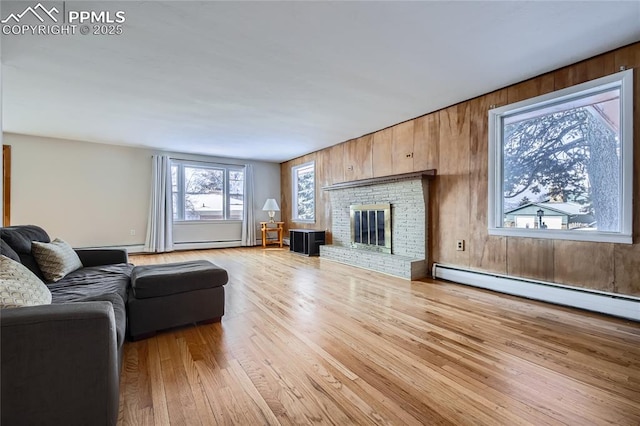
<point>272,207</point>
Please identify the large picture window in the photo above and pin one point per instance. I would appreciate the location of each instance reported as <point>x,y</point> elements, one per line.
<point>560,165</point>
<point>304,190</point>
<point>203,191</point>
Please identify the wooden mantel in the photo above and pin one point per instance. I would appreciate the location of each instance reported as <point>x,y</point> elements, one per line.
<point>423,174</point>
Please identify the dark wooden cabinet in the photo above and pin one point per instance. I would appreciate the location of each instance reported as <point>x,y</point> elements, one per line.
<point>306,241</point>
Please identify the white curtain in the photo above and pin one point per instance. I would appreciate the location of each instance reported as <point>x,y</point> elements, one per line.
<point>248,220</point>
<point>160,224</point>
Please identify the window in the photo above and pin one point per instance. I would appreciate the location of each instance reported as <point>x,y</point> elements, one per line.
<point>304,193</point>
<point>561,165</point>
<point>206,191</point>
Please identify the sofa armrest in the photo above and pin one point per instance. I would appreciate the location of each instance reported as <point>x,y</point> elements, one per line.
<point>98,257</point>
<point>59,364</point>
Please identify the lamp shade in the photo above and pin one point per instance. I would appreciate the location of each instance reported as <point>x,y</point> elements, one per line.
<point>271,205</point>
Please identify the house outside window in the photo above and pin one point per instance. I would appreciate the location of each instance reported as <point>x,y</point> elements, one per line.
<point>304,201</point>
<point>560,165</point>
<point>206,191</point>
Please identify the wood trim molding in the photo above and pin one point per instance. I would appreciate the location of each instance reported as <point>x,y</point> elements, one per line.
<point>424,174</point>
<point>6,185</point>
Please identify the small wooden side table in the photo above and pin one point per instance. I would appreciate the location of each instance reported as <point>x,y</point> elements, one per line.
<point>277,227</point>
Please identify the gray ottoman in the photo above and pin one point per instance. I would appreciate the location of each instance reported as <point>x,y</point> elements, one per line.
<point>174,294</point>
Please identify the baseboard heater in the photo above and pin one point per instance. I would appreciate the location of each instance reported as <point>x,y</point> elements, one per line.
<point>197,245</point>
<point>607,303</point>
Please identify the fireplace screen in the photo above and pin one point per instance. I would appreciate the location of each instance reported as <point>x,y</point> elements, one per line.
<point>371,227</point>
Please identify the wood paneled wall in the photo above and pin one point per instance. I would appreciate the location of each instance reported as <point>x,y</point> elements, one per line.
<point>6,185</point>
<point>454,142</point>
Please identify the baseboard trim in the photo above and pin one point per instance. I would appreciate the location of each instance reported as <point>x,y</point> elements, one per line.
<point>132,249</point>
<point>139,249</point>
<point>597,301</point>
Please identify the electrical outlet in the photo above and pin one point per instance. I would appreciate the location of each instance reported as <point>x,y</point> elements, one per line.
<point>460,245</point>
<point>132,232</point>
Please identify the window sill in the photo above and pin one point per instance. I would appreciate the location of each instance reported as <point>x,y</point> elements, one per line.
<point>552,234</point>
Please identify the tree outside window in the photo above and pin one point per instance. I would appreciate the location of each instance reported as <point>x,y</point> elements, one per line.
<point>569,153</point>
<point>236,194</point>
<point>567,156</point>
<point>304,193</point>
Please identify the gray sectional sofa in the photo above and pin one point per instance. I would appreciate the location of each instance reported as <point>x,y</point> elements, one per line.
<point>60,363</point>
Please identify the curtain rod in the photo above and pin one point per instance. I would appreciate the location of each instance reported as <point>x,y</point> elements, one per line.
<point>207,162</point>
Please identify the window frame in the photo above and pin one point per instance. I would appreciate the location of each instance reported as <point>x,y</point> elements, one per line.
<point>622,80</point>
<point>294,187</point>
<point>226,203</point>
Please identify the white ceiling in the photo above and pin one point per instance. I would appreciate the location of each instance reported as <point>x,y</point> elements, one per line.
<point>275,80</point>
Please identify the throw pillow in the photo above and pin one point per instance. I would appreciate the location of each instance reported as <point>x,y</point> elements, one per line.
<point>19,286</point>
<point>55,259</point>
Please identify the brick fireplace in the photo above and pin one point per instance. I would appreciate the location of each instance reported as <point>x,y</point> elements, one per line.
<point>408,197</point>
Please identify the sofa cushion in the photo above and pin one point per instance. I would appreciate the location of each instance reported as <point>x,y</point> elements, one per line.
<point>92,282</point>
<point>20,287</point>
<point>6,250</point>
<point>119,311</point>
<point>19,238</point>
<point>55,259</point>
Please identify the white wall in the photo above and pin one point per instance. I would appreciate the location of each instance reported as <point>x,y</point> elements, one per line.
<point>87,194</point>
<point>93,195</point>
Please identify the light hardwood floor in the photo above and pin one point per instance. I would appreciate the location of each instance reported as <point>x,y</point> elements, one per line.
<point>309,341</point>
